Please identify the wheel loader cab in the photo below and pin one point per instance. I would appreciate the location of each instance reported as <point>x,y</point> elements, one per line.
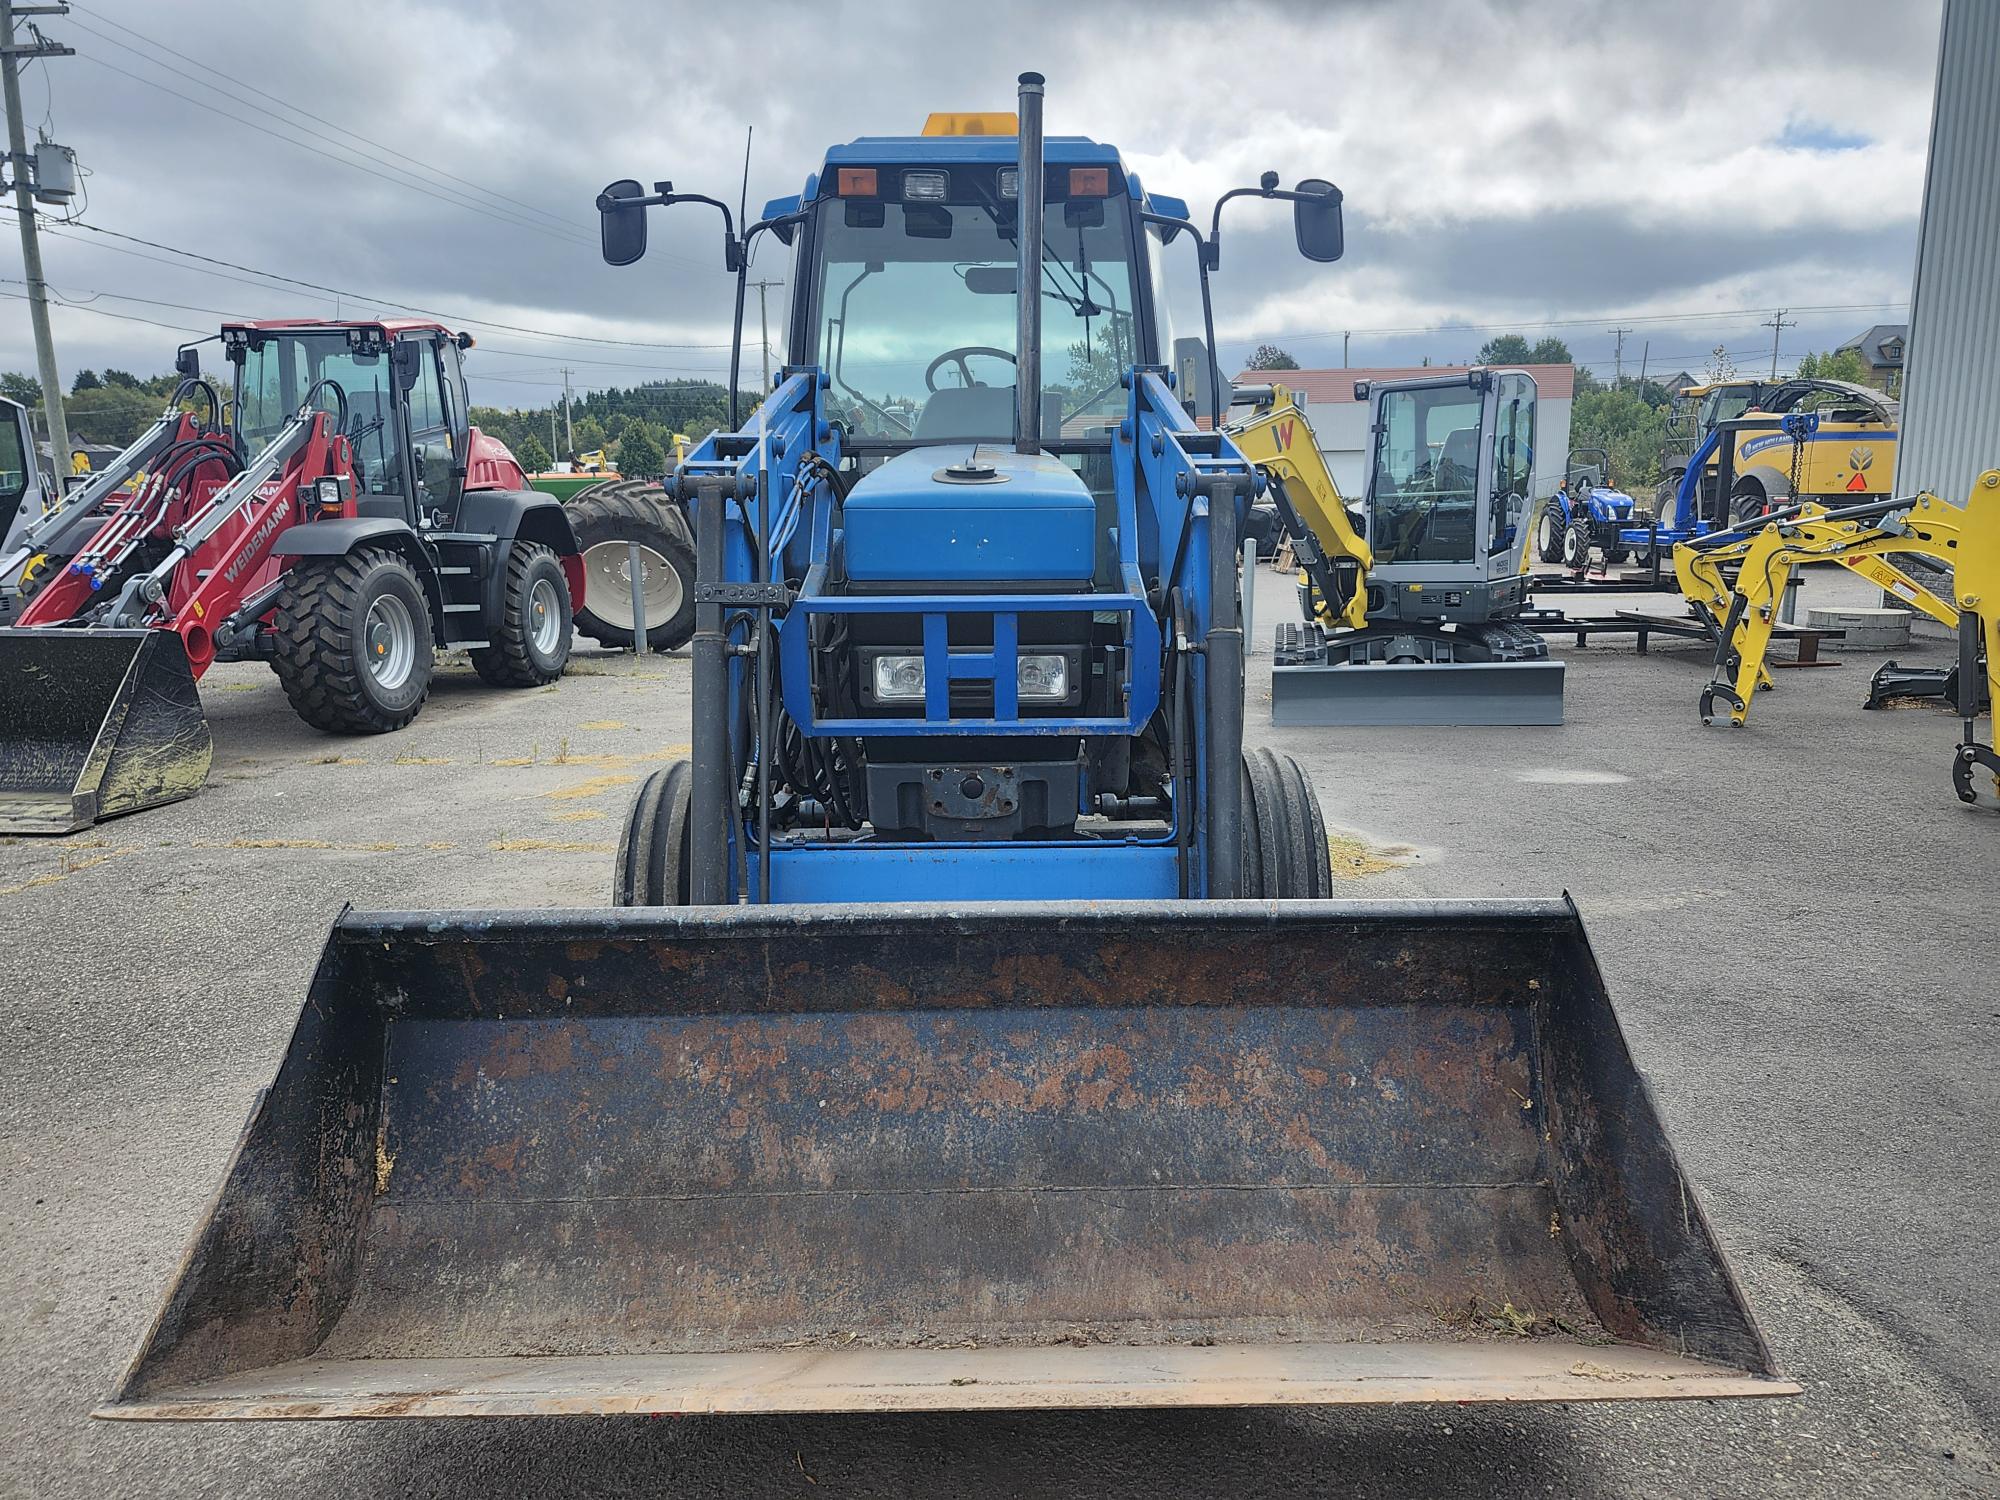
<point>400,403</point>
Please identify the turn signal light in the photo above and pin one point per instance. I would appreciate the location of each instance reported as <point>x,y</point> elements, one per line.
<point>1090,182</point>
<point>856,182</point>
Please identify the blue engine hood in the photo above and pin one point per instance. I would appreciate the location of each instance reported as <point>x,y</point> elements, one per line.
<point>907,523</point>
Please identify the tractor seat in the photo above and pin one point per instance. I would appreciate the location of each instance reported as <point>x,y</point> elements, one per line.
<point>960,413</point>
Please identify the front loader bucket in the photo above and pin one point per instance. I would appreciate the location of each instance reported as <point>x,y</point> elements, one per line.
<point>864,1158</point>
<point>1418,693</point>
<point>95,723</point>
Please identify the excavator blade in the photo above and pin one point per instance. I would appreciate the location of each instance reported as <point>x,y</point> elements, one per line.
<point>918,1158</point>
<point>95,723</point>
<point>1418,693</point>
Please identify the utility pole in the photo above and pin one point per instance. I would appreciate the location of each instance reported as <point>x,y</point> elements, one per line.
<point>1343,347</point>
<point>1645,356</point>
<point>569,427</point>
<point>764,324</point>
<point>1778,323</point>
<point>23,166</point>
<point>1618,356</point>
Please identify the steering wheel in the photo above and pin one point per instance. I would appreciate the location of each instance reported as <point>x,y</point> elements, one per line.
<point>959,356</point>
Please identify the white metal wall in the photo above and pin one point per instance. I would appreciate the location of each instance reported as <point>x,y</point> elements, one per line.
<point>1951,377</point>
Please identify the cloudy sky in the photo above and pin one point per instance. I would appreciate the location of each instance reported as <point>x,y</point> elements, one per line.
<point>1542,167</point>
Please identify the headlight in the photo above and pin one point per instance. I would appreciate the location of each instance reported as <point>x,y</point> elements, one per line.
<point>924,187</point>
<point>327,492</point>
<point>1042,679</point>
<point>899,679</point>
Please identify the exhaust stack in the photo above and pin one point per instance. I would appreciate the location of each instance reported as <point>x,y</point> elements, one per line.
<point>1028,283</point>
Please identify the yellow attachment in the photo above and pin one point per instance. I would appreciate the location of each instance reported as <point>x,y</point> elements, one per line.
<point>1965,536</point>
<point>973,122</point>
<point>1280,441</point>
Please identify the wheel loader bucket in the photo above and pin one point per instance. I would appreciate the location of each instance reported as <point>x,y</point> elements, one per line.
<point>898,1159</point>
<point>95,723</point>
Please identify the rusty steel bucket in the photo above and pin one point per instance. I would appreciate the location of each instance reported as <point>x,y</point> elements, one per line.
<point>916,1158</point>
<point>95,723</point>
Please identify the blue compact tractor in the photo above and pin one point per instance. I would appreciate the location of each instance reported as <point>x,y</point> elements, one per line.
<point>1588,512</point>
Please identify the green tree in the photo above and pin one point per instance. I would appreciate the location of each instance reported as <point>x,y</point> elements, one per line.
<point>1512,349</point>
<point>22,388</point>
<point>1836,364</point>
<point>640,453</point>
<point>109,414</point>
<point>589,434</point>
<point>1504,349</point>
<point>1630,429</point>
<point>86,380</point>
<point>122,380</point>
<point>530,454</point>
<point>1270,357</point>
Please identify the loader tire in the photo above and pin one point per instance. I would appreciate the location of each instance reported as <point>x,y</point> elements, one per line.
<point>354,643</point>
<point>1549,535</point>
<point>606,518</point>
<point>1285,853</point>
<point>653,851</point>
<point>531,638</point>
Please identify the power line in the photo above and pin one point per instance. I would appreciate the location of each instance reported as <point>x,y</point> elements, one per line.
<point>287,104</point>
<point>374,301</point>
<point>403,180</point>
<point>1715,315</point>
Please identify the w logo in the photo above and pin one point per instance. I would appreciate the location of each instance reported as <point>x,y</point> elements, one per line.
<point>1285,434</point>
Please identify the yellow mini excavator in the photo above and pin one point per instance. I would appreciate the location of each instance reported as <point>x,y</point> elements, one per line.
<point>1738,578</point>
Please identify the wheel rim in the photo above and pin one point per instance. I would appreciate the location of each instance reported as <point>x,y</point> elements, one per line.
<point>608,578</point>
<point>544,617</point>
<point>390,637</point>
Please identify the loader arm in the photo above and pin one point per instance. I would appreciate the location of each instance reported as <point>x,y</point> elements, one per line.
<point>1333,557</point>
<point>1863,540</point>
<point>70,524</point>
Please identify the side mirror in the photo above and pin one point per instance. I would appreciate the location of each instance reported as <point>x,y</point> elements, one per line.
<point>187,362</point>
<point>621,223</point>
<point>1316,220</point>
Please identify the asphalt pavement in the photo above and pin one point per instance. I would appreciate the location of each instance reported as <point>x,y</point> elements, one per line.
<point>1799,925</point>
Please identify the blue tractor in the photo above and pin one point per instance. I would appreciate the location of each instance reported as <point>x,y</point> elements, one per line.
<point>1588,513</point>
<point>976,1113</point>
<point>967,627</point>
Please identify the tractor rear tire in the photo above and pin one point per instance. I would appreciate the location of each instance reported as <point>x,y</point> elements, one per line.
<point>606,518</point>
<point>354,644</point>
<point>653,851</point>
<point>1285,854</point>
<point>531,638</point>
<point>1549,534</point>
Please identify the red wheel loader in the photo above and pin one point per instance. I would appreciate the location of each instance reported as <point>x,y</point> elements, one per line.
<point>1164,1127</point>
<point>349,526</point>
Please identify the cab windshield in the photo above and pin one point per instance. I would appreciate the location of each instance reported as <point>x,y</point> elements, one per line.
<point>1422,498</point>
<point>279,370</point>
<point>916,318</point>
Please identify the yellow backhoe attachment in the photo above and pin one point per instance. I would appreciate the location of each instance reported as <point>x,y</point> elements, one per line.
<point>1333,558</point>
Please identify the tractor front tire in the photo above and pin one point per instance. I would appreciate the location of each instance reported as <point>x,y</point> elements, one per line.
<point>653,851</point>
<point>1576,546</point>
<point>354,644</point>
<point>607,518</point>
<point>532,636</point>
<point>1285,853</point>
<point>1549,534</point>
